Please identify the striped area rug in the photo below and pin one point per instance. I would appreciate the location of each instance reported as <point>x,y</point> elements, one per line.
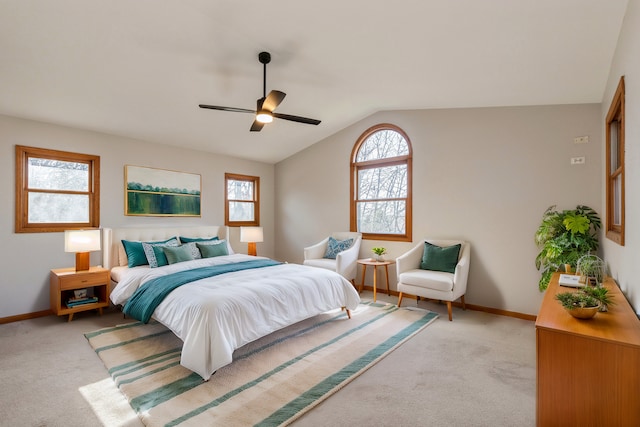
<point>271,382</point>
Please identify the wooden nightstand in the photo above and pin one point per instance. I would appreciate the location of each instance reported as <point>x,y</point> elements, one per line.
<point>64,281</point>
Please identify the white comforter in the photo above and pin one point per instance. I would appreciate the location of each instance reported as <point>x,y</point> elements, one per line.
<point>216,315</point>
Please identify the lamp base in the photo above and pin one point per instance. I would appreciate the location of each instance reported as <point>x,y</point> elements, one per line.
<point>251,249</point>
<point>82,261</point>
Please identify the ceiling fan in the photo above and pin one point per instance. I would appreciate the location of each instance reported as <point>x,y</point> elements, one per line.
<point>264,110</point>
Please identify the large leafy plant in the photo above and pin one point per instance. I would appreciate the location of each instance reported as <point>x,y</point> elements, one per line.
<point>563,237</point>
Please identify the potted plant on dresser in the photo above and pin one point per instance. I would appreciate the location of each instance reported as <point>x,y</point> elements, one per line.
<point>585,302</point>
<point>563,238</point>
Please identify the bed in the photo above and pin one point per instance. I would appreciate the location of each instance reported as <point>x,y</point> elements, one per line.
<point>247,298</point>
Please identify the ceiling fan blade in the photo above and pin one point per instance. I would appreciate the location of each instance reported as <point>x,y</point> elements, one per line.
<point>256,126</point>
<point>296,119</point>
<point>272,100</point>
<point>217,107</point>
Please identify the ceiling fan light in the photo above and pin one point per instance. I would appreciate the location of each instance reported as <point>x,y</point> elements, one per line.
<point>264,117</point>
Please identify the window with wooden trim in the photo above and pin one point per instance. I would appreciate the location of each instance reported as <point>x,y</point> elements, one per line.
<point>242,200</point>
<point>381,173</point>
<point>615,166</point>
<point>56,190</point>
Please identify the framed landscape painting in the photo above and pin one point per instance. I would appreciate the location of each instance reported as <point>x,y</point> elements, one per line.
<point>159,192</point>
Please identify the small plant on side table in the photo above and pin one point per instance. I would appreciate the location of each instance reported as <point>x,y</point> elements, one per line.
<point>379,252</point>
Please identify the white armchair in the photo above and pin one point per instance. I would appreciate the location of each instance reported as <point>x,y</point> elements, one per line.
<point>438,285</point>
<point>345,261</point>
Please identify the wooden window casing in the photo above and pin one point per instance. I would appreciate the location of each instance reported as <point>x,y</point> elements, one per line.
<point>357,166</point>
<point>24,190</point>
<point>254,200</point>
<point>615,153</point>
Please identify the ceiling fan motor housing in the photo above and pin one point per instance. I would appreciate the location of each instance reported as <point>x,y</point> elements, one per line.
<point>264,57</point>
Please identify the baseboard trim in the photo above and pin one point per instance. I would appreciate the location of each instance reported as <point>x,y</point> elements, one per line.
<point>474,307</point>
<point>25,316</point>
<point>497,311</point>
<point>507,313</point>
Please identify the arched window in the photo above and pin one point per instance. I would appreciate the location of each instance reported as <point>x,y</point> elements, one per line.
<point>381,184</point>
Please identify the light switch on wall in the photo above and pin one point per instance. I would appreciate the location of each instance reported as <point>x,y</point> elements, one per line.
<point>581,139</point>
<point>577,160</point>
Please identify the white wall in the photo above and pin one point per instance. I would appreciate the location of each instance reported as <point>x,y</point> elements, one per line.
<point>27,257</point>
<point>623,261</point>
<point>485,175</point>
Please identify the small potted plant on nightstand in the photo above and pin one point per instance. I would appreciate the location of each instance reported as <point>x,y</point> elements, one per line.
<point>379,253</point>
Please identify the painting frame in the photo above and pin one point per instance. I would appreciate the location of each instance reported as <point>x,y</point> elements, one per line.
<point>161,192</point>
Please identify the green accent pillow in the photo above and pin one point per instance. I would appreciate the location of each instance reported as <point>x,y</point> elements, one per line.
<point>209,251</point>
<point>197,239</point>
<point>176,254</point>
<point>191,246</point>
<point>436,258</point>
<point>135,252</point>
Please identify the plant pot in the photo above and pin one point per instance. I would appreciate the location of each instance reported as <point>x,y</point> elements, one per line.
<point>583,312</point>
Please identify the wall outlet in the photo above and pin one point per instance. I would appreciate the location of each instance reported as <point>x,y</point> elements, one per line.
<point>577,160</point>
<point>581,139</point>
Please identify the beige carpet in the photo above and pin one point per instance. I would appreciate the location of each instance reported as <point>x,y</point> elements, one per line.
<point>280,377</point>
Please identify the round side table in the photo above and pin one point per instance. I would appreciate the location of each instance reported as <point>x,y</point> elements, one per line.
<point>375,264</point>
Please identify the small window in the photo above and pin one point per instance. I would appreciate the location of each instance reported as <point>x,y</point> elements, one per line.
<point>381,184</point>
<point>56,190</point>
<point>242,200</point>
<point>615,166</point>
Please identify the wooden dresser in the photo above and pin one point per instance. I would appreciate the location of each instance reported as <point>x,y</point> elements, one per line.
<point>588,371</point>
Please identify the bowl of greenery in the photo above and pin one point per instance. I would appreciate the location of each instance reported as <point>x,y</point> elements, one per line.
<point>585,302</point>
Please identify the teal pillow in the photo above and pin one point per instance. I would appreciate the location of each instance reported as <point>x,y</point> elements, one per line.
<point>197,239</point>
<point>176,254</point>
<point>210,251</point>
<point>135,252</point>
<point>436,258</point>
<point>154,253</point>
<point>336,246</point>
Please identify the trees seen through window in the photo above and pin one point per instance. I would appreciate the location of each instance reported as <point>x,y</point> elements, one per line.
<point>381,184</point>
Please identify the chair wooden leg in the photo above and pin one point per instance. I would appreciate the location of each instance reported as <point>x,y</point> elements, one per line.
<point>399,299</point>
<point>449,310</point>
<point>464,307</point>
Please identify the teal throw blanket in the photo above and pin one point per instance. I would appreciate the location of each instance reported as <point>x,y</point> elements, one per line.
<point>147,297</point>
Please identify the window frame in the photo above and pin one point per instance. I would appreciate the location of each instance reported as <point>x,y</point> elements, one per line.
<point>256,200</point>
<point>615,117</point>
<point>355,167</point>
<point>23,154</point>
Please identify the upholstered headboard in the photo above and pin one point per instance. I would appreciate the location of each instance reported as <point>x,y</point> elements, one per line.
<point>112,238</point>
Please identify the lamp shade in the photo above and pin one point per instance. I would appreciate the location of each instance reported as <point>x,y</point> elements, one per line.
<point>251,234</point>
<point>81,240</point>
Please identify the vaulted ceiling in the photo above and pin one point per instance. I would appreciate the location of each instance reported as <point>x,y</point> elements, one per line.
<point>140,68</point>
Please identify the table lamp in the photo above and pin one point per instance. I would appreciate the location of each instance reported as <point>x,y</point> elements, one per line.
<point>251,235</point>
<point>82,242</point>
